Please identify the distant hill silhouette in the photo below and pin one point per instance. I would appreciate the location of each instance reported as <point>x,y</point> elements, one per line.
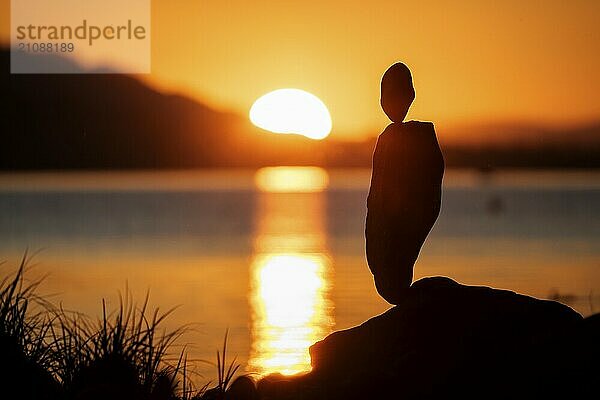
<point>110,121</point>
<point>522,145</point>
<point>102,121</point>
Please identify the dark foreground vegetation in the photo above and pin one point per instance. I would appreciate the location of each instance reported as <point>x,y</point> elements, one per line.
<point>51,353</point>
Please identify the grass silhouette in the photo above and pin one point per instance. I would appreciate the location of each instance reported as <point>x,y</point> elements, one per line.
<point>17,322</point>
<point>225,374</point>
<point>27,355</point>
<point>124,354</point>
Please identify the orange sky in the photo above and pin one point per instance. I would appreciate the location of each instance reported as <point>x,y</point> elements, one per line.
<point>472,60</point>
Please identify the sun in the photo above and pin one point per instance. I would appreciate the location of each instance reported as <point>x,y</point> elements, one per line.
<point>292,111</point>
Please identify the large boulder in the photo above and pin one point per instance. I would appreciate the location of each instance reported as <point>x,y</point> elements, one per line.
<point>447,339</point>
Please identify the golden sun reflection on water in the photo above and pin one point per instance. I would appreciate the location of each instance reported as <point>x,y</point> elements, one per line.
<point>291,179</point>
<point>291,311</point>
<point>290,272</point>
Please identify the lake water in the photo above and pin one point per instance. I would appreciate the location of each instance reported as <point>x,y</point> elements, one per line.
<point>277,255</point>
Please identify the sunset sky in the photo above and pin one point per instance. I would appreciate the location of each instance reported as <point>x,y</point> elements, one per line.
<point>477,60</point>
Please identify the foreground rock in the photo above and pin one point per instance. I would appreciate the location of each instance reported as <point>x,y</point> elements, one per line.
<point>447,339</point>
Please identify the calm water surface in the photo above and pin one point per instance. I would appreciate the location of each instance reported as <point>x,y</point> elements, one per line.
<point>277,255</point>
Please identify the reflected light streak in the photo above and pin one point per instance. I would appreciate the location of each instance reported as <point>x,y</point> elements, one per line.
<point>290,275</point>
<point>291,179</point>
<point>291,310</point>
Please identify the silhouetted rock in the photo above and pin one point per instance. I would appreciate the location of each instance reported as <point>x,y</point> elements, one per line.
<point>573,362</point>
<point>243,388</point>
<point>447,339</point>
<point>406,189</point>
<point>403,204</point>
<point>278,386</point>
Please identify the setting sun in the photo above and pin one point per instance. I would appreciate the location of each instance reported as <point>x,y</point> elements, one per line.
<point>292,111</point>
